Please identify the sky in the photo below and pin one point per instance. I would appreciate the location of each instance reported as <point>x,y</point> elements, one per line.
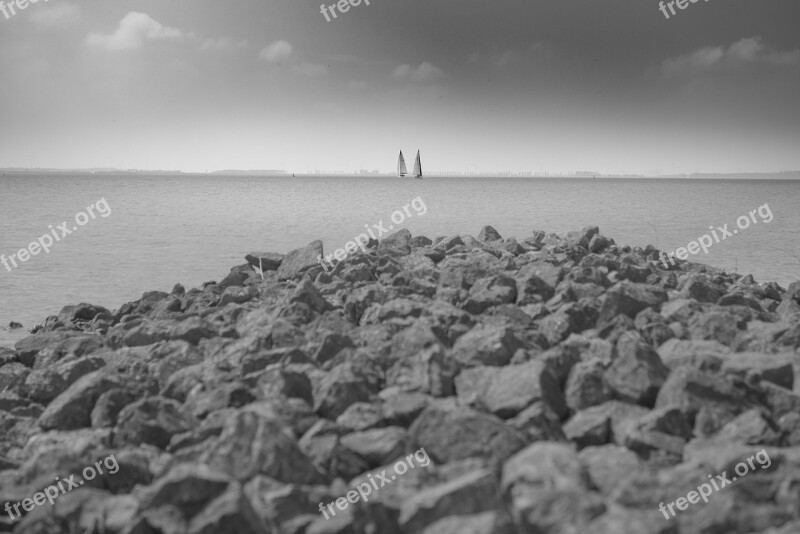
<point>611,86</point>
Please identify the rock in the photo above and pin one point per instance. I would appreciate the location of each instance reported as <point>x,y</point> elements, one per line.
<point>691,390</point>
<point>44,385</point>
<point>582,238</point>
<point>511,389</point>
<point>605,463</point>
<point>701,288</point>
<point>706,355</point>
<point>267,261</point>
<point>12,325</point>
<point>754,367</point>
<point>488,233</point>
<point>245,405</point>
<point>344,385</point>
<point>151,420</point>
<point>637,373</point>
<point>548,488</point>
<point>486,345</point>
<point>468,494</point>
<point>429,371</point>
<point>307,293</point>
<point>588,427</point>
<point>628,298</point>
<point>536,282</point>
<point>586,385</point>
<point>491,291</point>
<point>72,409</point>
<point>29,347</point>
<point>396,244</point>
<point>714,325</point>
<point>377,446</point>
<point>653,327</point>
<point>230,512</point>
<point>753,427</point>
<point>599,243</point>
<point>455,434</point>
<point>255,443</point>
<point>186,487</point>
<point>331,345</point>
<point>299,261</point>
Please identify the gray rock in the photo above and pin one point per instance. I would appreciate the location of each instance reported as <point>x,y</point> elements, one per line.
<point>268,261</point>
<point>637,374</point>
<point>299,261</point>
<point>458,433</point>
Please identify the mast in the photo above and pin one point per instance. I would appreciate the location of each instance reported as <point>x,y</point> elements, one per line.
<point>417,167</point>
<point>401,166</point>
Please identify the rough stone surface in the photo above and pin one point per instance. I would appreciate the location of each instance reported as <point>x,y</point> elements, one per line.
<point>546,385</point>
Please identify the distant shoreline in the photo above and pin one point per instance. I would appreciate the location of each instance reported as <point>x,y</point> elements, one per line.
<point>784,175</point>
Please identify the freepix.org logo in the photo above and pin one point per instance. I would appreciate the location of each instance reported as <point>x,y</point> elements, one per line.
<point>17,5</point>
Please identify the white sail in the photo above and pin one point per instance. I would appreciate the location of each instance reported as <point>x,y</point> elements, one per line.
<point>417,167</point>
<point>401,166</point>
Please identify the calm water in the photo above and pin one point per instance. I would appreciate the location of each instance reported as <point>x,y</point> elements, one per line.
<point>168,229</point>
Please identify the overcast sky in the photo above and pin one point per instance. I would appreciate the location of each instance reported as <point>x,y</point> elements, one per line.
<point>543,85</point>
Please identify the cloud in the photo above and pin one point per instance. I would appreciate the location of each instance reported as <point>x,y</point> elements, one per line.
<point>740,55</point>
<point>56,15</point>
<point>282,53</point>
<point>222,44</point>
<point>134,29</point>
<point>424,73</point>
<point>277,52</point>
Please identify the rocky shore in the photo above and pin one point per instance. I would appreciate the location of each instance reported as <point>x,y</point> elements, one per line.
<point>560,385</point>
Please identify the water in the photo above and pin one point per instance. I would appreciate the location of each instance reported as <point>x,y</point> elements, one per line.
<point>164,230</point>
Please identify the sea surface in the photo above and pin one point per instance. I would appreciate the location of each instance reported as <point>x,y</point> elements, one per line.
<point>166,229</point>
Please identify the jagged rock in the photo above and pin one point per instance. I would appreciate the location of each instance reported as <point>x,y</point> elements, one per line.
<point>488,233</point>
<point>28,348</point>
<point>637,373</point>
<point>468,494</point>
<point>586,385</point>
<point>588,427</point>
<point>267,261</point>
<point>628,298</point>
<point>537,282</point>
<point>754,366</point>
<point>44,385</point>
<point>344,385</point>
<point>458,433</point>
<point>489,354</point>
<point>377,446</point>
<point>702,354</point>
<point>692,390</point>
<point>486,345</point>
<point>507,391</point>
<point>715,325</point>
<point>231,511</point>
<point>255,443</point>
<point>701,288</point>
<point>549,489</point>
<point>429,371</point>
<point>396,244</point>
<point>492,291</point>
<point>605,463</point>
<point>152,420</point>
<point>72,409</point>
<point>583,237</point>
<point>300,260</point>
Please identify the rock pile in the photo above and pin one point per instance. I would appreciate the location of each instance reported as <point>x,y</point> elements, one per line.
<point>560,385</point>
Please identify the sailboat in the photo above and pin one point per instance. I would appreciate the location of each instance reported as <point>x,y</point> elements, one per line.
<point>417,168</point>
<point>401,166</point>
